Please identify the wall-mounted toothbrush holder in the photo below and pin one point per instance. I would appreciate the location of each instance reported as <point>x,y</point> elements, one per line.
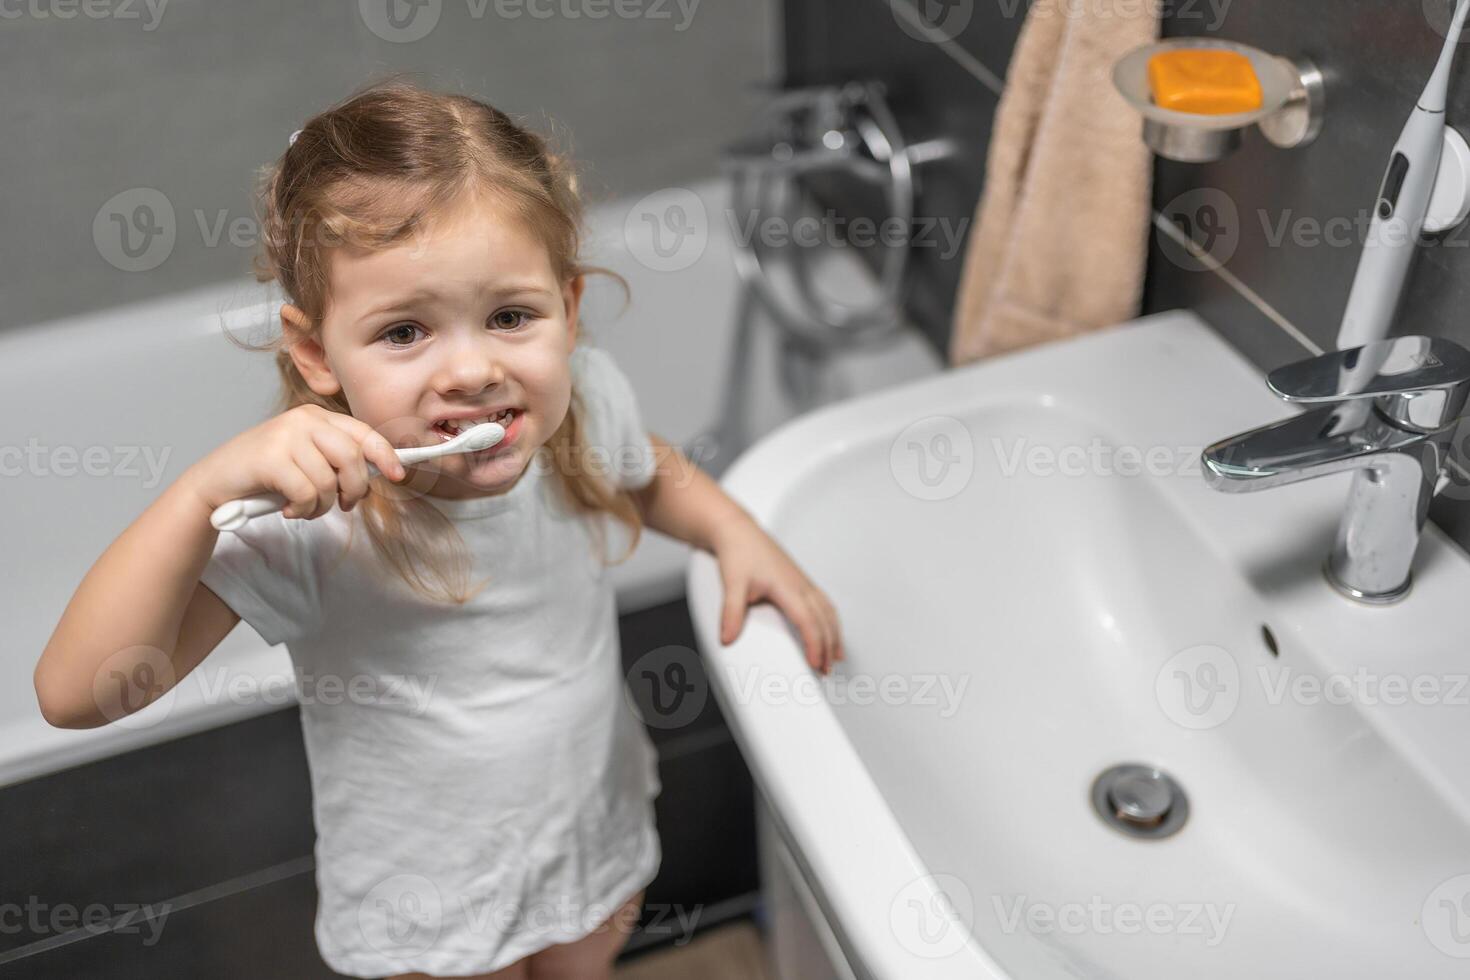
<point>1449,201</point>
<point>1292,103</point>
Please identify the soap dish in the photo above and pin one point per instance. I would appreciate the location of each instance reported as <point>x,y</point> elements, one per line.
<point>1290,113</point>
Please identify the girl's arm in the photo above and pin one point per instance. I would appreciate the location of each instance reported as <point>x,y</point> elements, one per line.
<point>139,621</point>
<point>683,502</point>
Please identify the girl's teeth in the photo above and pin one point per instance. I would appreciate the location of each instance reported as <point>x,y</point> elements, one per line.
<point>460,425</point>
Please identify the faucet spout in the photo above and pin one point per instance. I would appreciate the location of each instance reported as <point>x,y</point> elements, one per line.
<point>1321,442</point>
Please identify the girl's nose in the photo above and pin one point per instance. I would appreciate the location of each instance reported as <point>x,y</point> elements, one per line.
<point>470,365</point>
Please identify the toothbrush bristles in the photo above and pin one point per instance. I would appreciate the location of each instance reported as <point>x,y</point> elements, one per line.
<point>483,436</point>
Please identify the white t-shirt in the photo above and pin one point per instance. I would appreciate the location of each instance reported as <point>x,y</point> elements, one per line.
<point>482,788</point>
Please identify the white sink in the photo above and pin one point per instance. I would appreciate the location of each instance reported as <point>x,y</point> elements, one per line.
<point>1014,629</point>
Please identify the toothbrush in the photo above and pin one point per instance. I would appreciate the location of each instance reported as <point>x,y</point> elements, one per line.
<point>1403,201</point>
<point>232,515</point>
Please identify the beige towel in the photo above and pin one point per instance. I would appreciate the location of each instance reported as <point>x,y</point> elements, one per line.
<point>1060,237</point>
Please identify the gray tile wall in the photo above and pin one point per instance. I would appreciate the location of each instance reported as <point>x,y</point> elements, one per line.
<point>1286,237</point>
<point>188,97</point>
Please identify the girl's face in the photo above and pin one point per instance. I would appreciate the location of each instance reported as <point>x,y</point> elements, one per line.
<point>453,326</point>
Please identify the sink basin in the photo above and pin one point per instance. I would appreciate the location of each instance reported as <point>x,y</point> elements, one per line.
<point>1035,586</point>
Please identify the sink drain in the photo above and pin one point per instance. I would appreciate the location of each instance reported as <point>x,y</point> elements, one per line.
<point>1140,801</point>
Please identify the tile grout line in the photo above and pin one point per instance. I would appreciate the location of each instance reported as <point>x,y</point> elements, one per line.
<point>963,58</point>
<point>1248,294</point>
<point>210,893</point>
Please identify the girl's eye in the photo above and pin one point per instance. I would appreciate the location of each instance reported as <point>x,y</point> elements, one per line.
<point>511,319</point>
<point>397,330</point>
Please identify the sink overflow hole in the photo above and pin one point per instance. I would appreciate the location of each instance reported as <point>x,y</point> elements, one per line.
<point>1270,639</point>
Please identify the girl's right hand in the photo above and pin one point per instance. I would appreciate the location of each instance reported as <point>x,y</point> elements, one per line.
<point>310,455</point>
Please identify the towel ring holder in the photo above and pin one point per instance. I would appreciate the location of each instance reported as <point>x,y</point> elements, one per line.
<point>846,129</point>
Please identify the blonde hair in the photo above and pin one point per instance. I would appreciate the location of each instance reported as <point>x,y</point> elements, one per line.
<point>372,171</point>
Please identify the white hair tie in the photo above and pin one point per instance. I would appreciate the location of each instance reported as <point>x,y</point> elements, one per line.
<point>292,140</point>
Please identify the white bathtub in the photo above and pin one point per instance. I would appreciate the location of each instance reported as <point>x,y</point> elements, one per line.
<point>108,408</point>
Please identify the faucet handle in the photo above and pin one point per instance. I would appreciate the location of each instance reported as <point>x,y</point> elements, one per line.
<point>1418,382</point>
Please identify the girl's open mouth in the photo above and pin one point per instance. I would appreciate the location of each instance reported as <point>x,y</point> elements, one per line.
<point>447,429</point>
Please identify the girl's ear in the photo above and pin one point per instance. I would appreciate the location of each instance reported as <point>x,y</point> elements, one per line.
<point>306,351</point>
<point>572,297</point>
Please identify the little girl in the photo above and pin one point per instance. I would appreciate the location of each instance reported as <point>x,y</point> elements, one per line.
<point>499,823</point>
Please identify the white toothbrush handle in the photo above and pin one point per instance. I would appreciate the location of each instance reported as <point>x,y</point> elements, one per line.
<point>232,515</point>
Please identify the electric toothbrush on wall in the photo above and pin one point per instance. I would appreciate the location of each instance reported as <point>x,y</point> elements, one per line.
<point>1403,204</point>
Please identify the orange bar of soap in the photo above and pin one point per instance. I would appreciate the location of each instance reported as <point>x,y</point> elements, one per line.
<point>1207,81</point>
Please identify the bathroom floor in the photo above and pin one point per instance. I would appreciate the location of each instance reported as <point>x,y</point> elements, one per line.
<point>733,952</point>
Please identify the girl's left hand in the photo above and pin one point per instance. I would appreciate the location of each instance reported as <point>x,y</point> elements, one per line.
<point>754,567</point>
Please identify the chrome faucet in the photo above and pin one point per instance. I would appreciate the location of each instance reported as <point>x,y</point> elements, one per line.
<point>1394,406</point>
